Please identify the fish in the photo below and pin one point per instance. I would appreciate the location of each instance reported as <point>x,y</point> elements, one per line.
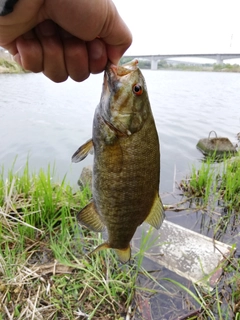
<point>126,165</point>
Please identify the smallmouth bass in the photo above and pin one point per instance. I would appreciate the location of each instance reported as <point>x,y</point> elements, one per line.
<point>126,168</point>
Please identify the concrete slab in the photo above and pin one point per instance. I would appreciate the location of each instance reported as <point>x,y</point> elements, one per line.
<point>187,253</point>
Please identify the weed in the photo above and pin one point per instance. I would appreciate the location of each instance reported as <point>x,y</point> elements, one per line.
<point>200,183</point>
<point>218,187</point>
<point>10,66</point>
<point>44,269</point>
<point>229,187</point>
<point>44,272</point>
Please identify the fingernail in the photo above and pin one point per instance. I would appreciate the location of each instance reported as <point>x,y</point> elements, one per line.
<point>47,28</point>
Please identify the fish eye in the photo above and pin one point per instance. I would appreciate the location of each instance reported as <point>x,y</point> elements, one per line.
<point>137,89</point>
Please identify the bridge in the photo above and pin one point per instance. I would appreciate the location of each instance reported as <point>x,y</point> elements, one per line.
<point>218,57</point>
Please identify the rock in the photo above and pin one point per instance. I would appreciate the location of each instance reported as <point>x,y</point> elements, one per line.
<point>85,178</point>
<point>218,145</point>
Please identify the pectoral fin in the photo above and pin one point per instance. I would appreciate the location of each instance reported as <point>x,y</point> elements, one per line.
<point>83,151</point>
<point>156,215</point>
<point>90,218</point>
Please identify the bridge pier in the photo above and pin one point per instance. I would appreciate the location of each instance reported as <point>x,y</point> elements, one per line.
<point>219,59</point>
<point>154,64</point>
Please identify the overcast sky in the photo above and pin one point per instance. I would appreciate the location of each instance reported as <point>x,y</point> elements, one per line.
<point>182,26</point>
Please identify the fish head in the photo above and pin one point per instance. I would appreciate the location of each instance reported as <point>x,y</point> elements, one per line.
<point>124,101</point>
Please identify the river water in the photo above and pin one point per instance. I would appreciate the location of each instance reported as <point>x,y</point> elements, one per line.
<point>48,121</point>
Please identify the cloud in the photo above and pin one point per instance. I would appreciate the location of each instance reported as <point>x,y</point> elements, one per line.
<point>187,26</point>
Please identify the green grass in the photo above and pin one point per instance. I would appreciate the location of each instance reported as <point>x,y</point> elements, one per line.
<point>45,272</point>
<point>230,184</point>
<point>221,180</point>
<point>215,190</point>
<point>42,257</point>
<point>44,269</point>
<point>10,66</point>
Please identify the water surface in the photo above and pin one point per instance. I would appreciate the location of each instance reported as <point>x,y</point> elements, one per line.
<point>49,121</point>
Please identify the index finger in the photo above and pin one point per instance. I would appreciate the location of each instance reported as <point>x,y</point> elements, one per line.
<point>116,35</point>
<point>89,19</point>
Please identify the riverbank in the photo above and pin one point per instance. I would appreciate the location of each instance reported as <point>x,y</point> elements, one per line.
<point>44,270</point>
<point>181,66</point>
<point>45,273</point>
<point>10,66</point>
<point>208,68</point>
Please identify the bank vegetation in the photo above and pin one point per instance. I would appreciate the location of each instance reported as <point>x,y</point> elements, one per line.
<point>45,272</point>
<point>187,66</point>
<point>10,66</point>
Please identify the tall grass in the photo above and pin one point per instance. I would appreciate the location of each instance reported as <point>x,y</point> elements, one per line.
<point>215,189</point>
<point>200,184</point>
<point>10,66</point>
<point>44,271</point>
<point>221,180</point>
<point>230,184</point>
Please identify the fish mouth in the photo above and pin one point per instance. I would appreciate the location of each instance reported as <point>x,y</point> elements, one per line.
<point>122,70</point>
<point>113,73</point>
<point>116,77</point>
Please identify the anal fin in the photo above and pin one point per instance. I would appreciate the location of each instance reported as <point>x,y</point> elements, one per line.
<point>90,218</point>
<point>83,151</point>
<point>156,215</point>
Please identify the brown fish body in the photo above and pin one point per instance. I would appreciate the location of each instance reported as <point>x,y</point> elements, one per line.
<point>126,179</point>
<point>126,169</point>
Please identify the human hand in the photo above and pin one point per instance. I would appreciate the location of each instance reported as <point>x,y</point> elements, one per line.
<point>64,38</point>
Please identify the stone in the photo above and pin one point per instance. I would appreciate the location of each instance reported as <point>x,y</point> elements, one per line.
<point>85,178</point>
<point>219,145</point>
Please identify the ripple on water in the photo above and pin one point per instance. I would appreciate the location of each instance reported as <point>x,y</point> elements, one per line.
<point>52,120</point>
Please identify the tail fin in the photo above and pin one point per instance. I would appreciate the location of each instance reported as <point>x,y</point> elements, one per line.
<point>123,254</point>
